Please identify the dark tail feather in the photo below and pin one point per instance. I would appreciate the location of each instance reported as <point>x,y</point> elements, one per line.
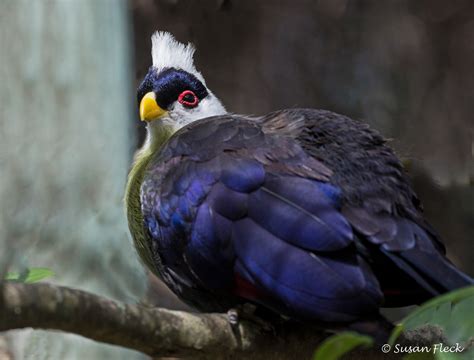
<point>434,272</point>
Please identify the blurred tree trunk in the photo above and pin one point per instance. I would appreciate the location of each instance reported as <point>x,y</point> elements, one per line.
<point>65,148</point>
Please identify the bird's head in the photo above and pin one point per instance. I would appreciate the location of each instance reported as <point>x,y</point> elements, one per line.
<point>173,93</point>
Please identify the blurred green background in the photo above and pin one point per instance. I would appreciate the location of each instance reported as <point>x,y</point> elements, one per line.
<point>68,123</point>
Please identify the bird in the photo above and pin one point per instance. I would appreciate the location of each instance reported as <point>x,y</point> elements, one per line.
<point>305,213</point>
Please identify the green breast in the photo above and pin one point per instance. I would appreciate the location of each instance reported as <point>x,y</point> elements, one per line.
<point>157,136</point>
<point>133,208</point>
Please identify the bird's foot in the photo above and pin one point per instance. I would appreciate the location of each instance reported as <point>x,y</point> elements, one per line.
<point>233,317</point>
<point>246,312</point>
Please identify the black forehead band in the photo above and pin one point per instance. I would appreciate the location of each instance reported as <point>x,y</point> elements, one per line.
<point>168,84</point>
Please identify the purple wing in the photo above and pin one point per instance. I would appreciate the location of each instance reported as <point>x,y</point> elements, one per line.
<point>281,236</point>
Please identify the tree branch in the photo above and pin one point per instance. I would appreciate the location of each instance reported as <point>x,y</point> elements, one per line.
<point>153,331</point>
<point>156,332</point>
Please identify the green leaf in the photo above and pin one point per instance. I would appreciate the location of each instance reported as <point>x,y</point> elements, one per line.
<point>447,356</point>
<point>30,275</point>
<point>337,345</point>
<point>452,297</point>
<point>37,274</point>
<point>399,328</point>
<point>12,276</point>
<point>451,311</point>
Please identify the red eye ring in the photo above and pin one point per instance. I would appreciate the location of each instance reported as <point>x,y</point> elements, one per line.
<point>183,98</point>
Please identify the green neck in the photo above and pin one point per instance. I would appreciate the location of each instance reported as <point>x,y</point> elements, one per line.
<point>156,137</point>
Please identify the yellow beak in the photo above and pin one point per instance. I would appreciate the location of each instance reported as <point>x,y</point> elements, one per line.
<point>149,109</point>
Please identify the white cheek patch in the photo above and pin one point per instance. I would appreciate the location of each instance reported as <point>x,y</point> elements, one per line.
<point>180,116</point>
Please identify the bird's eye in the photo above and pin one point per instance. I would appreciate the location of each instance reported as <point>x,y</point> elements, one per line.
<point>188,99</point>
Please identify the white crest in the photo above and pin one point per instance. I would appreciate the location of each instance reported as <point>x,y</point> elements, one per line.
<point>167,52</point>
